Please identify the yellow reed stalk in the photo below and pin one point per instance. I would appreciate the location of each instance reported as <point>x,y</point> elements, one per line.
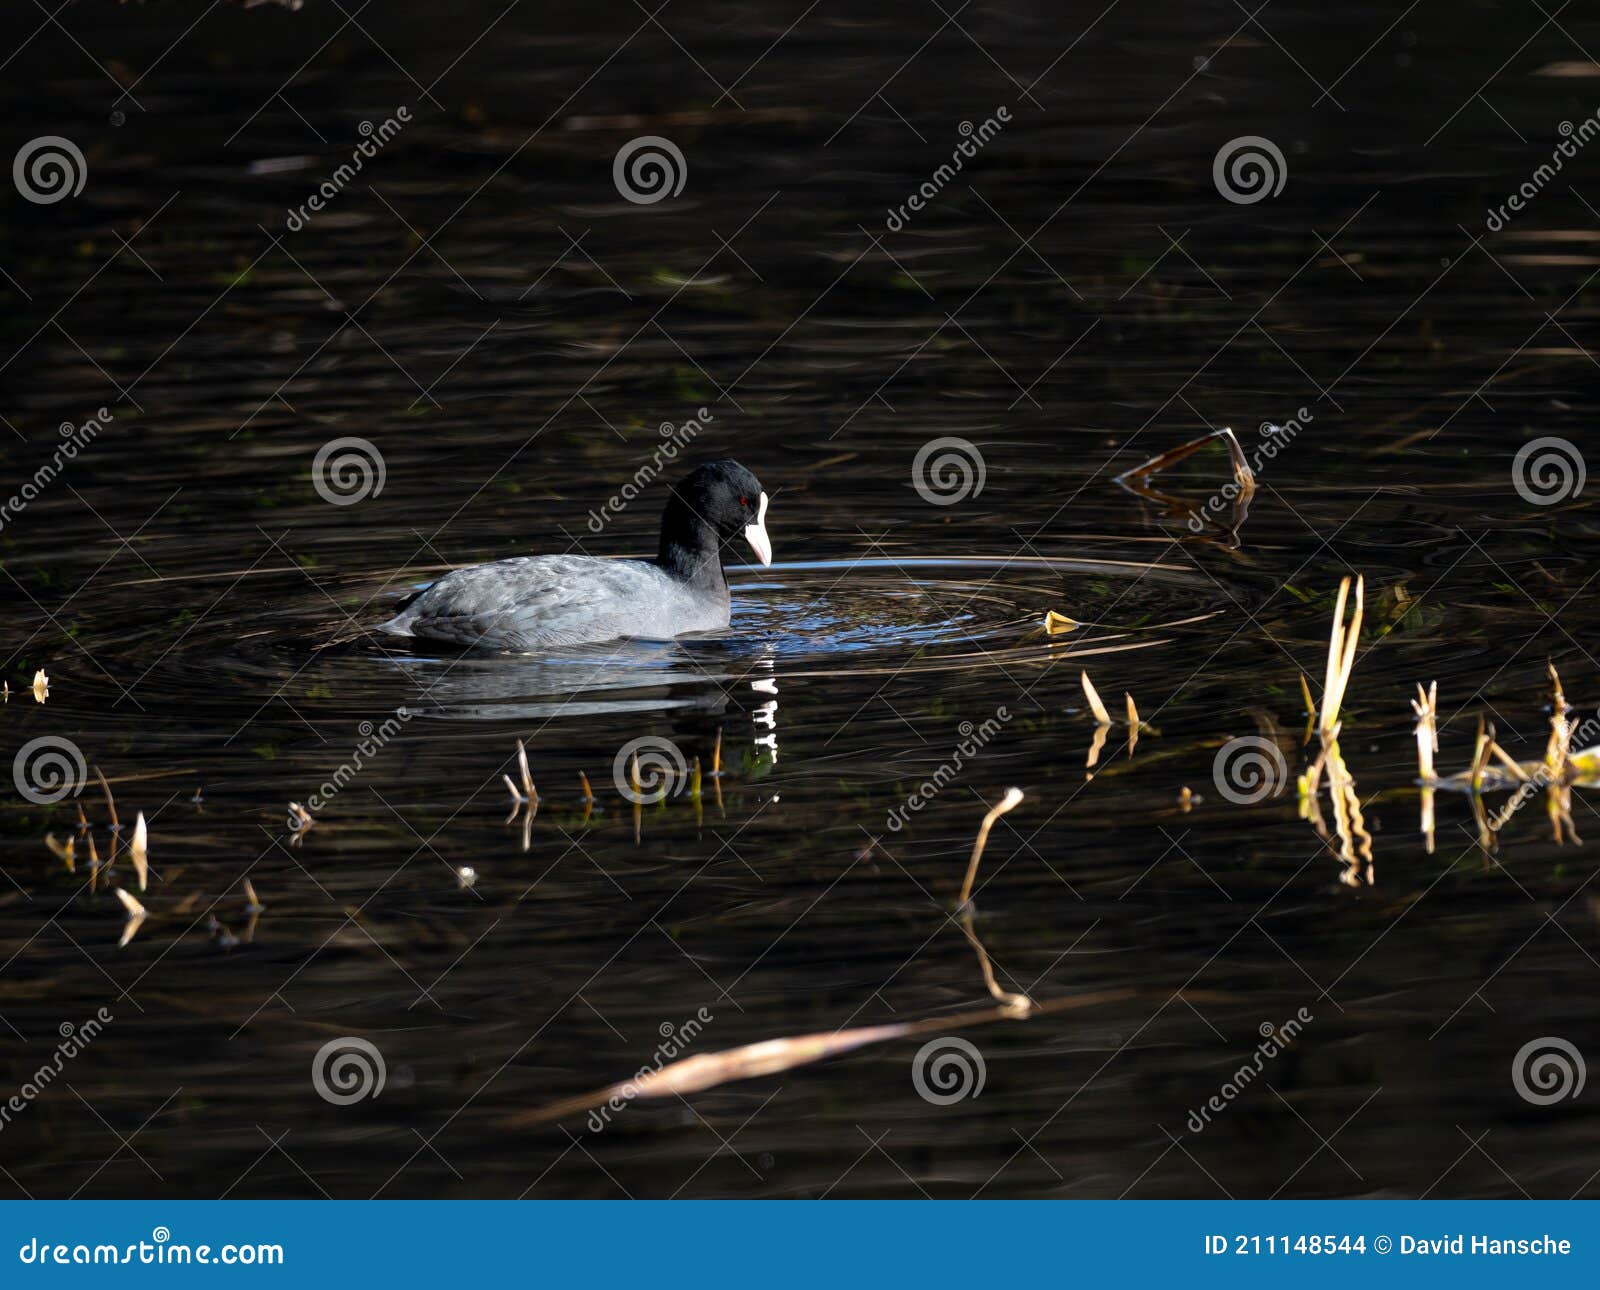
<point>1426,708</point>
<point>1559,746</point>
<point>139,851</point>
<point>1342,641</point>
<point>1512,766</point>
<point>1009,802</point>
<point>1101,716</point>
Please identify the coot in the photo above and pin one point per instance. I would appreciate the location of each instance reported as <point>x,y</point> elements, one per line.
<point>534,601</point>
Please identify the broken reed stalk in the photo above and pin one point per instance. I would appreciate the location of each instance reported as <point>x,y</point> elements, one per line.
<point>1426,708</point>
<point>139,851</point>
<point>136,917</point>
<point>111,804</point>
<point>1513,767</point>
<point>526,794</point>
<point>66,852</point>
<point>1342,640</point>
<point>637,797</point>
<point>588,792</point>
<point>528,789</point>
<point>1019,1005</point>
<point>1101,716</point>
<point>1559,747</point>
<point>1096,745</point>
<point>770,1056</point>
<point>1012,798</point>
<point>1243,476</point>
<point>1480,756</point>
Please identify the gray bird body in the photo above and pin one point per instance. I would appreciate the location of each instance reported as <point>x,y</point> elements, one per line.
<point>537,601</point>
<point>531,602</point>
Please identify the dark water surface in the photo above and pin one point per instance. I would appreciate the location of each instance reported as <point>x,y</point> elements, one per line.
<point>482,306</point>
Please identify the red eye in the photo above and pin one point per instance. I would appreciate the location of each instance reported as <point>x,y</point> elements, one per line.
<point>745,502</point>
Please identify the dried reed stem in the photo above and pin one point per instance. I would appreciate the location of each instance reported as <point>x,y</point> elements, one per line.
<point>1342,641</point>
<point>1513,767</point>
<point>1559,747</point>
<point>111,804</point>
<point>1101,716</point>
<point>1426,708</point>
<point>528,790</point>
<point>1009,802</point>
<point>139,851</point>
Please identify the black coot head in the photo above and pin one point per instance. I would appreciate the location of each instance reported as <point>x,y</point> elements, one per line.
<point>729,499</point>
